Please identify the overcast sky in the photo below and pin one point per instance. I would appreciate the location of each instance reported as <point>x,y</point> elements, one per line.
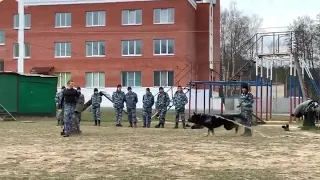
<point>277,13</point>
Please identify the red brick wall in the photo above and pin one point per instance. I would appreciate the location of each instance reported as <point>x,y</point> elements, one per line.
<point>43,35</point>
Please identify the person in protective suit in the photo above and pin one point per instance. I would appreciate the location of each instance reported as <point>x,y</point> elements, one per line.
<point>246,105</point>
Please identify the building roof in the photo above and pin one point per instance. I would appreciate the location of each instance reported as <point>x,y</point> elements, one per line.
<point>23,74</point>
<point>68,2</point>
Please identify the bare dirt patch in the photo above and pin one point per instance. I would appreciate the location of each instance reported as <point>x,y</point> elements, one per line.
<point>37,151</point>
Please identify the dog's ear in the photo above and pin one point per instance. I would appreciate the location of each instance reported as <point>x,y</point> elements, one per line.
<point>194,113</point>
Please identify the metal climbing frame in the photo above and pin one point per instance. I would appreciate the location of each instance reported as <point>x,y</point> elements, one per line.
<point>212,84</point>
<point>306,67</point>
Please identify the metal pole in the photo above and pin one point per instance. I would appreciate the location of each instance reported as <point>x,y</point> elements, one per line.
<point>257,81</point>
<point>204,98</point>
<point>267,90</point>
<point>261,88</point>
<point>271,99</point>
<point>196,98</point>
<point>290,88</point>
<point>294,86</point>
<point>210,96</point>
<point>21,36</point>
<point>190,86</point>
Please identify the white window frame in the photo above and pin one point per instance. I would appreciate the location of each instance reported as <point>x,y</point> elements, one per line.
<point>134,11</point>
<point>99,21</point>
<point>61,51</point>
<point>163,85</point>
<point>134,78</point>
<point>167,47</point>
<point>92,79</point>
<point>2,37</point>
<point>135,47</point>
<point>99,44</point>
<point>59,85</point>
<point>64,15</point>
<point>163,10</point>
<point>27,24</point>
<point>14,49</point>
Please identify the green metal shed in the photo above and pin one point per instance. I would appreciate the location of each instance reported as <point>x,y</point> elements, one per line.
<point>28,94</point>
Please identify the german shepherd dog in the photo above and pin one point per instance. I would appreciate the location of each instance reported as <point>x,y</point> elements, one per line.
<point>214,121</point>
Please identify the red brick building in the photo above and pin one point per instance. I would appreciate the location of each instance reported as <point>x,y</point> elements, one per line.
<point>101,43</point>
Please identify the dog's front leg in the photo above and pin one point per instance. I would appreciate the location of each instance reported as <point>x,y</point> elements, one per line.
<point>212,131</point>
<point>208,133</point>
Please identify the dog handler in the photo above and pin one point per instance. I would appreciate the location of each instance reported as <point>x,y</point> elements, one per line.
<point>246,105</point>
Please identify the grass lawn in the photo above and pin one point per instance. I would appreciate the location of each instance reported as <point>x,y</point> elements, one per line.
<point>37,151</point>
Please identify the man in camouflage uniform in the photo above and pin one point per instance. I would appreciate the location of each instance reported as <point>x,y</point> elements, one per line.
<point>58,99</point>
<point>69,100</point>
<point>131,100</point>
<point>80,105</point>
<point>246,104</point>
<point>95,106</point>
<point>162,103</point>
<point>148,101</point>
<point>179,101</point>
<point>118,98</point>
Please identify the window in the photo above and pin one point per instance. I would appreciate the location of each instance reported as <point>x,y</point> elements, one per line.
<point>27,21</point>
<point>163,47</point>
<point>2,37</point>
<point>95,18</point>
<point>63,78</point>
<point>1,65</point>
<point>62,49</point>
<point>95,79</point>
<point>131,47</point>
<point>62,20</point>
<point>163,78</point>
<point>132,17</point>
<point>26,50</point>
<point>163,16</point>
<point>95,48</point>
<point>132,79</point>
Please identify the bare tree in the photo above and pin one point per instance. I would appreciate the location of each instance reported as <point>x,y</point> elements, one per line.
<point>305,45</point>
<point>236,29</point>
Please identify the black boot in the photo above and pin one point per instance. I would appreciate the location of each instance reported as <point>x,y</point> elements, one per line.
<point>245,132</point>
<point>130,124</point>
<point>184,125</point>
<point>176,126</point>
<point>95,122</point>
<point>98,122</point>
<point>158,126</point>
<point>249,133</point>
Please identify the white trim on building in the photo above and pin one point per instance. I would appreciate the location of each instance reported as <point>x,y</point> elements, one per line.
<point>68,2</point>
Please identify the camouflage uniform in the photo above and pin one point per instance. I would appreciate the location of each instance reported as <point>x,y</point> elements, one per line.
<point>179,101</point>
<point>246,105</point>
<point>60,113</point>
<point>79,107</point>
<point>162,103</point>
<point>148,101</point>
<point>118,98</point>
<point>131,100</point>
<point>95,108</point>
<point>69,116</point>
